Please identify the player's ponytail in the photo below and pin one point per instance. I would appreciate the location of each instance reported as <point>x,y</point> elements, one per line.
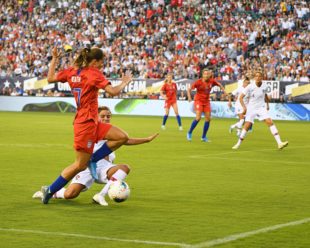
<point>87,55</point>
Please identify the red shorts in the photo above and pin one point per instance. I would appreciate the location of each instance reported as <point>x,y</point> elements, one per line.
<point>86,134</point>
<point>203,107</point>
<point>168,104</point>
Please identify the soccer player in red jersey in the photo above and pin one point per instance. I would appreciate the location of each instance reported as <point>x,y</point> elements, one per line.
<point>85,79</point>
<point>169,93</point>
<point>202,102</point>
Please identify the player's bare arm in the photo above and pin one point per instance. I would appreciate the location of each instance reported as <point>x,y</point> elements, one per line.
<point>242,103</point>
<point>189,96</point>
<point>51,76</point>
<point>139,141</point>
<point>114,91</point>
<point>222,88</point>
<point>267,100</point>
<point>230,99</point>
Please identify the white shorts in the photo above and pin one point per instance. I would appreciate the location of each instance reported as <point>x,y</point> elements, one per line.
<point>260,114</point>
<point>85,178</point>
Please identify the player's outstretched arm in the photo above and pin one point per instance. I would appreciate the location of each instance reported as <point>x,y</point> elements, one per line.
<point>139,141</point>
<point>51,76</point>
<point>114,91</point>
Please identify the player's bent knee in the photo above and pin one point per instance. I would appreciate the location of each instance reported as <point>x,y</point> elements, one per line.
<point>269,122</point>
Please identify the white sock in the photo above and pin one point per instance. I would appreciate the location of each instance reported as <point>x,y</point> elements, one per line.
<point>60,194</point>
<point>275,133</point>
<point>241,137</point>
<point>239,124</point>
<point>118,175</point>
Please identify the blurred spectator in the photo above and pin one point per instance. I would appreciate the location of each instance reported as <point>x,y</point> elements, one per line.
<point>152,38</point>
<point>39,92</point>
<point>183,96</point>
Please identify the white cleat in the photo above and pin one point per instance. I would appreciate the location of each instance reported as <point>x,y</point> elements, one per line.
<point>97,198</point>
<point>180,128</point>
<point>235,147</point>
<point>283,144</point>
<point>37,195</point>
<point>163,127</point>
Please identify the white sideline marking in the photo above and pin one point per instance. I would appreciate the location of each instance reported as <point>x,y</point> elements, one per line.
<point>206,244</point>
<point>147,242</point>
<point>234,237</point>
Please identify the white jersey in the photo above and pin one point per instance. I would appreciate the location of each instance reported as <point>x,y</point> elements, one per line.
<point>257,106</point>
<point>256,95</point>
<point>100,144</point>
<point>85,178</point>
<point>237,93</point>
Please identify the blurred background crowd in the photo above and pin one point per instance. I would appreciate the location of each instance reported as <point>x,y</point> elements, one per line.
<point>154,37</point>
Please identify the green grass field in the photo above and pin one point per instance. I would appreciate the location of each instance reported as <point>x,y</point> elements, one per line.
<point>183,194</point>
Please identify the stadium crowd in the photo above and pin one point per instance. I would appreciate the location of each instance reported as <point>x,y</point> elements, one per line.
<point>152,38</point>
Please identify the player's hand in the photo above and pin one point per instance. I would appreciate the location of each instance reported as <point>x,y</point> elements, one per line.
<point>150,138</point>
<point>229,105</point>
<point>55,53</point>
<point>127,77</point>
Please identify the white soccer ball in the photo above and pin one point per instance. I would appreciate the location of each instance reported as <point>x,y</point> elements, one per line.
<point>119,191</point>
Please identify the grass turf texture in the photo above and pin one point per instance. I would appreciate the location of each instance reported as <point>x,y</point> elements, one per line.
<point>182,192</point>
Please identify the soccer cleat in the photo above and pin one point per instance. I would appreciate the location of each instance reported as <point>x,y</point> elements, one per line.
<point>97,198</point>
<point>37,195</point>
<point>46,195</point>
<point>235,147</point>
<point>181,128</point>
<point>189,136</point>
<point>93,170</point>
<point>205,139</point>
<point>163,127</point>
<point>283,144</point>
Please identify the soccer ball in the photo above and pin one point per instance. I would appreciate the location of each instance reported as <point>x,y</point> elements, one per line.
<point>119,191</point>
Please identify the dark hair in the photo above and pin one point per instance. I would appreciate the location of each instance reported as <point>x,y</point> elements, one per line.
<point>100,108</point>
<point>87,55</point>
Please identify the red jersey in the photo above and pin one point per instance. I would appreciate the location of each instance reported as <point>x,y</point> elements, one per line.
<point>170,90</point>
<point>84,84</point>
<point>203,89</point>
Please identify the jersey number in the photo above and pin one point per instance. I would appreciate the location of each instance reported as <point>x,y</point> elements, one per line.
<point>77,95</point>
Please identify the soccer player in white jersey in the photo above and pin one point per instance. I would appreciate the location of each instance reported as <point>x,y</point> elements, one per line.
<point>238,107</point>
<point>107,171</point>
<point>257,107</point>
